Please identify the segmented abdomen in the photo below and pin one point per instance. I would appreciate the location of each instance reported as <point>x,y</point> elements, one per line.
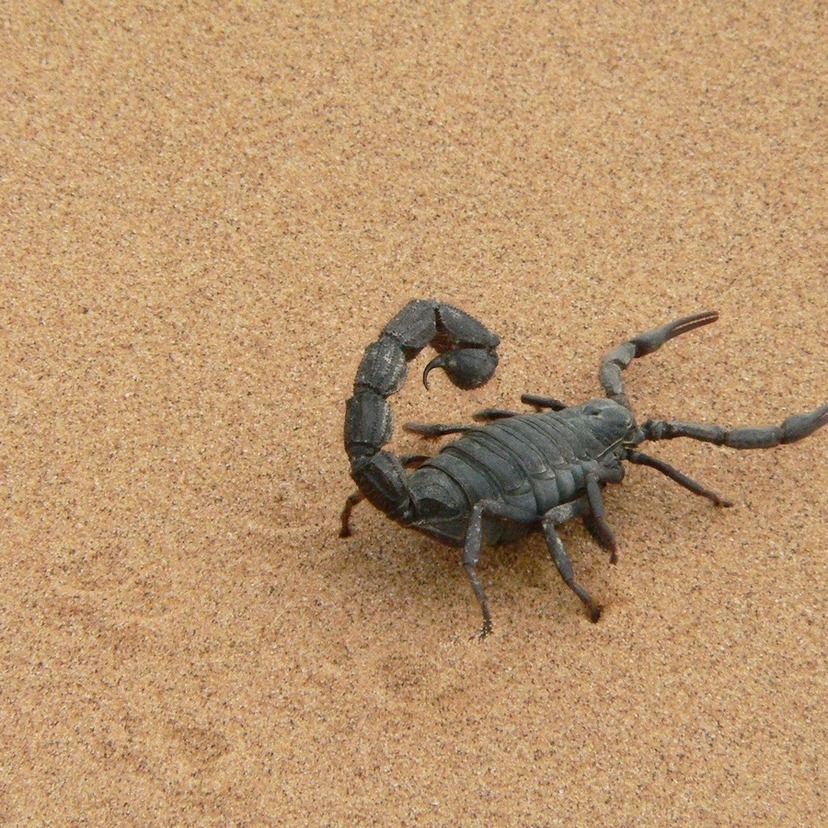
<point>533,462</point>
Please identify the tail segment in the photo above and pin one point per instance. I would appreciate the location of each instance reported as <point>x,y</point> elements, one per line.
<point>466,352</point>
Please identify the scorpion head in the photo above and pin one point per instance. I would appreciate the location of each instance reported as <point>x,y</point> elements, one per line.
<point>609,422</point>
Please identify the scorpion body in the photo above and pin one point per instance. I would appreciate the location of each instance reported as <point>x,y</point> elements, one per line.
<point>517,472</point>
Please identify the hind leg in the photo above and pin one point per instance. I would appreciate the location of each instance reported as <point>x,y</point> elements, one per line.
<point>488,415</point>
<point>485,415</point>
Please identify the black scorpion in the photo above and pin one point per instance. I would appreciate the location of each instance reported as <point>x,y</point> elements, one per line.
<point>521,471</point>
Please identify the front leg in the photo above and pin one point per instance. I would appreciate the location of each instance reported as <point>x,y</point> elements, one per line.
<point>495,510</point>
<point>675,475</point>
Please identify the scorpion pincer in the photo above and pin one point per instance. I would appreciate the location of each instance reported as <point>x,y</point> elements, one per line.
<point>517,472</point>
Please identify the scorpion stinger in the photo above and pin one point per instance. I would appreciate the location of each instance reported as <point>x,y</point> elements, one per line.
<point>466,352</point>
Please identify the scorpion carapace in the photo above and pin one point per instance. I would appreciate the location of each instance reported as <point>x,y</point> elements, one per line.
<point>516,472</point>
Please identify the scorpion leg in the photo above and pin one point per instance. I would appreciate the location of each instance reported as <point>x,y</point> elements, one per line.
<point>794,428</point>
<point>485,415</point>
<point>542,402</point>
<point>555,516</point>
<point>619,358</point>
<point>409,461</point>
<point>433,430</point>
<point>596,520</point>
<point>497,510</point>
<point>674,474</point>
<point>490,414</point>
<point>599,538</point>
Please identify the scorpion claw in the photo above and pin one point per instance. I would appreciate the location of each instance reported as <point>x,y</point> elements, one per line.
<point>802,425</point>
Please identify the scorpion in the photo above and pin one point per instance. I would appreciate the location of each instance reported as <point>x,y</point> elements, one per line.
<point>515,472</point>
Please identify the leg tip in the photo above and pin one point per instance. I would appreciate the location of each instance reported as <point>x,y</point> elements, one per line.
<point>595,613</point>
<point>483,634</point>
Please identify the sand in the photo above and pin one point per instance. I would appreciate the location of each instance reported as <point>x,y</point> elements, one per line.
<point>207,215</point>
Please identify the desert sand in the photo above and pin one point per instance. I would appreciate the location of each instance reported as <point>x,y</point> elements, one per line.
<point>207,215</point>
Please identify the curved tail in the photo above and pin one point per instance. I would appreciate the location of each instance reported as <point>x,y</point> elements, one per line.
<point>466,352</point>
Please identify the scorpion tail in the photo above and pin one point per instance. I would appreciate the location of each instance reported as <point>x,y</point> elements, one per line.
<point>466,352</point>
<point>619,358</point>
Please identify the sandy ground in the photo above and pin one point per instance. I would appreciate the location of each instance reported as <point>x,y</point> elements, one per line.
<point>207,216</point>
